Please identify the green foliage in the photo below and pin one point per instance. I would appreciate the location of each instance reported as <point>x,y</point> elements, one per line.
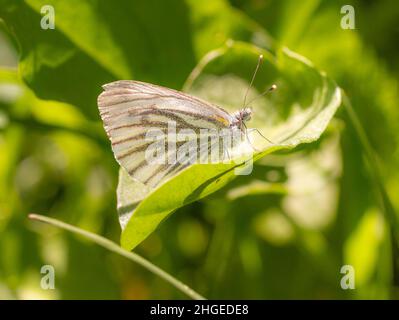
<point>302,118</point>
<point>284,231</point>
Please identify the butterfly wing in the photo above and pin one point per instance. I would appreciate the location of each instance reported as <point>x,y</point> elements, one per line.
<point>129,109</point>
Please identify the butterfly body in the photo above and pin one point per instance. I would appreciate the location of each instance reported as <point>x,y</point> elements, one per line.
<point>129,109</point>
<point>240,117</point>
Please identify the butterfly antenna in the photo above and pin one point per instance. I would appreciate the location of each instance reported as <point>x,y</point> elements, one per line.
<point>260,59</point>
<point>272,88</point>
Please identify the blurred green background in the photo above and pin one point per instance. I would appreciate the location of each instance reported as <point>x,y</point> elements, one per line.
<point>320,208</point>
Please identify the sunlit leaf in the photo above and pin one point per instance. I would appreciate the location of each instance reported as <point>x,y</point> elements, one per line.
<point>297,113</point>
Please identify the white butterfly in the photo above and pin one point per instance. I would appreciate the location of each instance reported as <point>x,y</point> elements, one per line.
<point>130,108</point>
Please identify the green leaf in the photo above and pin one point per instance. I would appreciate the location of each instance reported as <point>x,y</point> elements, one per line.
<point>363,247</point>
<point>214,22</point>
<point>95,42</point>
<point>298,112</point>
<point>103,41</point>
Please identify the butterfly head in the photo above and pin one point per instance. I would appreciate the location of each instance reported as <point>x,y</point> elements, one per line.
<point>241,116</point>
<point>245,114</point>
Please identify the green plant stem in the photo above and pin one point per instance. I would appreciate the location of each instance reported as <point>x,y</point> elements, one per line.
<point>385,201</point>
<point>373,162</point>
<point>111,246</point>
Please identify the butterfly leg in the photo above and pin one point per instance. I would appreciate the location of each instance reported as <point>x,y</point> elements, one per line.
<point>268,140</point>
<point>250,143</point>
<point>247,136</point>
